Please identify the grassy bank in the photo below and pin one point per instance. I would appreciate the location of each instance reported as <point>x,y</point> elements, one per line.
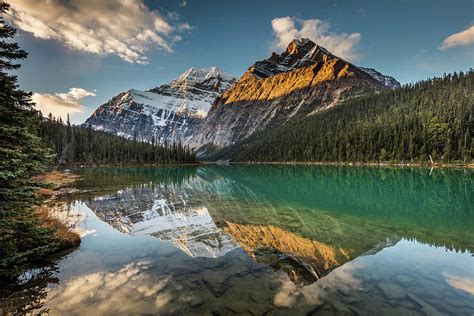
<point>59,183</point>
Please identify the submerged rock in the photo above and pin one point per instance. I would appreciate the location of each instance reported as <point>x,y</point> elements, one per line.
<point>427,308</point>
<point>299,272</point>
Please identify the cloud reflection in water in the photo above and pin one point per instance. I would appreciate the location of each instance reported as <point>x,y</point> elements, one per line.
<point>127,290</point>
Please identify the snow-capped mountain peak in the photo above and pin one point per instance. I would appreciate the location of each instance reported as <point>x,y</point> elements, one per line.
<point>300,53</point>
<point>302,80</point>
<point>209,79</point>
<point>169,112</point>
<point>197,75</point>
<point>303,52</point>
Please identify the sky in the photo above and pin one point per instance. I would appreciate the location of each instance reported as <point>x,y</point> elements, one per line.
<point>83,52</point>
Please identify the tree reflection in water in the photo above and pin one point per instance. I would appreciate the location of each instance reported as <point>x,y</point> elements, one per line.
<point>29,293</point>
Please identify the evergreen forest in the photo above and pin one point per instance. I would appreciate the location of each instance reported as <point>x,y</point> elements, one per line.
<point>420,122</point>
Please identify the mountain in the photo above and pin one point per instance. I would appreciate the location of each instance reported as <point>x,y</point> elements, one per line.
<point>170,112</point>
<point>429,121</point>
<point>301,81</point>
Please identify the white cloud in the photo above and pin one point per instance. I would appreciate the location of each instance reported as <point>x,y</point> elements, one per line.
<point>61,104</point>
<point>124,28</point>
<point>185,27</point>
<point>464,37</point>
<point>287,29</point>
<point>183,3</point>
<point>74,95</point>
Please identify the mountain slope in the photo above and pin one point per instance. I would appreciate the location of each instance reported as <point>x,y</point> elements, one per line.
<point>170,112</point>
<point>301,81</point>
<point>430,118</point>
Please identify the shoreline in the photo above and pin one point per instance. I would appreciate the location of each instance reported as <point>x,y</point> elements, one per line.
<point>346,164</point>
<point>469,165</point>
<point>60,183</point>
<point>79,166</point>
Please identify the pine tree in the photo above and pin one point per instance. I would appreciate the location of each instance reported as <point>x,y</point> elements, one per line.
<point>82,145</point>
<point>22,238</point>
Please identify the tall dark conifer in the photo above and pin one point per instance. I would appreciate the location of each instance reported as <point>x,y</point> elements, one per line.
<point>22,238</point>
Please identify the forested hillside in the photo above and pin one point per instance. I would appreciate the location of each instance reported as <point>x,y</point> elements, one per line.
<point>432,117</point>
<point>78,145</point>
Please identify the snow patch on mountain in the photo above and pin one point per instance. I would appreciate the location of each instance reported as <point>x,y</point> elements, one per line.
<point>387,81</point>
<point>169,112</point>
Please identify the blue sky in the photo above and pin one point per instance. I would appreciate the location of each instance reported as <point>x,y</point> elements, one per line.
<point>105,47</point>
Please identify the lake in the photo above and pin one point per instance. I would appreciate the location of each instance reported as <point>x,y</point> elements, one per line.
<point>264,239</point>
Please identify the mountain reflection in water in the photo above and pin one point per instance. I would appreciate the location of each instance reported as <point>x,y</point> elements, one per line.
<point>215,208</point>
<point>268,239</point>
<point>163,211</point>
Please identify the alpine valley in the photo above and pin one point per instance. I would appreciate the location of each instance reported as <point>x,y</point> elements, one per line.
<point>158,158</point>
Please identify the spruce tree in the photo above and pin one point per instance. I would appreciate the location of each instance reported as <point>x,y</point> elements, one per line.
<point>22,238</point>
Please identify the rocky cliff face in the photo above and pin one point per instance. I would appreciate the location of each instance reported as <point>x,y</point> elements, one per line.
<point>303,80</point>
<point>170,112</point>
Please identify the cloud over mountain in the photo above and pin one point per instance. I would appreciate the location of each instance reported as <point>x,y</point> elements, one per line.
<point>288,28</point>
<point>61,104</point>
<point>107,27</point>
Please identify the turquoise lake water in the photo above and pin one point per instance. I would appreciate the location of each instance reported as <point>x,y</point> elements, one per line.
<point>264,239</point>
